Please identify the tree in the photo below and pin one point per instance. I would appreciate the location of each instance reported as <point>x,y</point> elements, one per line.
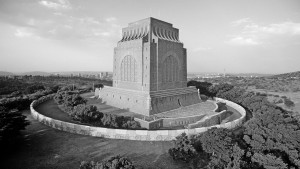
<point>202,86</point>
<point>269,161</point>
<point>216,90</point>
<point>183,149</point>
<point>274,134</point>
<point>219,143</point>
<point>34,88</point>
<point>115,162</point>
<point>98,85</point>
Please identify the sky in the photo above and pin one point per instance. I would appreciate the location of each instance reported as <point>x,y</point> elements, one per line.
<point>237,36</point>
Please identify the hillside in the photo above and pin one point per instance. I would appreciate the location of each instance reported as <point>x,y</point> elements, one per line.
<point>4,73</point>
<point>36,73</point>
<point>288,75</point>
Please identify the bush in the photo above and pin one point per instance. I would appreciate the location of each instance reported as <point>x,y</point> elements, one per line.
<point>221,107</point>
<point>116,162</point>
<point>280,101</point>
<point>183,149</point>
<point>68,98</point>
<point>98,86</point>
<point>87,114</point>
<point>114,121</point>
<point>288,102</point>
<point>203,97</point>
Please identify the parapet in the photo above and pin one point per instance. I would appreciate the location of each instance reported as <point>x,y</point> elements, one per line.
<point>150,28</point>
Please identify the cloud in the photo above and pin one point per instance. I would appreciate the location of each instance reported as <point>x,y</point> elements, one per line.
<point>255,34</point>
<point>81,28</point>
<point>198,49</point>
<point>243,41</point>
<point>58,4</point>
<point>240,21</point>
<point>23,32</point>
<point>31,19</point>
<point>285,28</point>
<point>110,19</point>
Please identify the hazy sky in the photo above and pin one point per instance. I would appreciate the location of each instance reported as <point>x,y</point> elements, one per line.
<point>261,36</point>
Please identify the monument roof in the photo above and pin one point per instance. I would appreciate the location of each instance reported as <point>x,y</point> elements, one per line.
<point>149,20</point>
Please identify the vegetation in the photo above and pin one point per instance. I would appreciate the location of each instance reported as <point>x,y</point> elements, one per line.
<point>76,107</point>
<point>183,148</point>
<point>28,84</point>
<point>17,95</point>
<point>288,102</point>
<point>288,82</point>
<point>115,162</point>
<point>270,139</point>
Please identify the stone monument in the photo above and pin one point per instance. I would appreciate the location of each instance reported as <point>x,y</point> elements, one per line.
<point>149,70</point>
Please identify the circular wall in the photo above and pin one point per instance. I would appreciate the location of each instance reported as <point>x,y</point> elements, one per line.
<point>143,135</point>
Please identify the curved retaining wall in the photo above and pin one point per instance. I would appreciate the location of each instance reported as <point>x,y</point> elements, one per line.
<point>143,135</point>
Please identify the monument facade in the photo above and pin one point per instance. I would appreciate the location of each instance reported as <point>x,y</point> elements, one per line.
<point>149,70</point>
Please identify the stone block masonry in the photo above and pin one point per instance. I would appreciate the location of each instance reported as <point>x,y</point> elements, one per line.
<point>150,70</point>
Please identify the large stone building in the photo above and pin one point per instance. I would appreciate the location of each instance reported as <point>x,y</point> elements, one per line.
<point>150,70</point>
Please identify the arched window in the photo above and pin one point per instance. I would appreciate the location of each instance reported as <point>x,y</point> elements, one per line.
<point>128,69</point>
<point>170,69</point>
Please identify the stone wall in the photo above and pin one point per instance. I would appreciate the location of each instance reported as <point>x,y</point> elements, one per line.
<point>168,122</point>
<point>155,124</point>
<point>143,135</point>
<point>148,103</point>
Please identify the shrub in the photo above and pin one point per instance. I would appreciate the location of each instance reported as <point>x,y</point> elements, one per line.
<point>114,121</point>
<point>280,101</point>
<point>87,114</point>
<point>116,162</point>
<point>221,107</point>
<point>288,102</point>
<point>68,98</point>
<point>98,86</point>
<point>183,149</point>
<point>203,97</point>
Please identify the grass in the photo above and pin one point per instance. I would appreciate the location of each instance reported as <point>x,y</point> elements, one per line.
<point>50,109</point>
<point>47,148</point>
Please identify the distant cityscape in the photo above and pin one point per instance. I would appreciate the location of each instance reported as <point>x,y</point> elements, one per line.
<point>109,75</point>
<point>83,74</point>
<point>224,75</point>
